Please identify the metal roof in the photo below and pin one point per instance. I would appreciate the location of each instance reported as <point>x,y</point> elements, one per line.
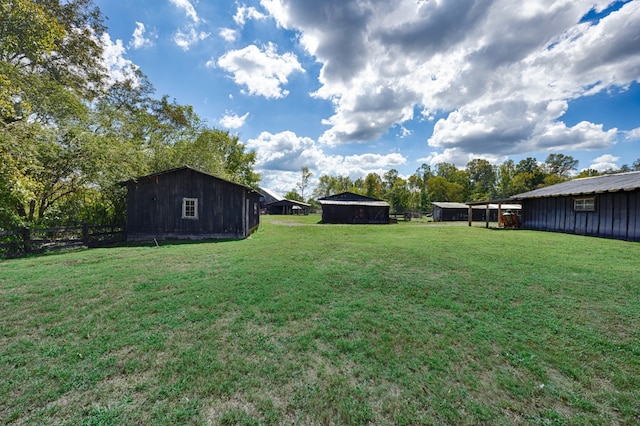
<point>449,205</point>
<point>272,194</point>
<point>592,185</point>
<point>478,206</point>
<point>351,199</point>
<point>287,202</point>
<point>353,203</point>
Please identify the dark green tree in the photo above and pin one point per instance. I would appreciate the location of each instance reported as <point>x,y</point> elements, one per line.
<point>529,175</point>
<point>482,179</point>
<point>560,165</point>
<point>294,196</point>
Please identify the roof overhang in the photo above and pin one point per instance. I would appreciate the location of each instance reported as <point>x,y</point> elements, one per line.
<point>354,203</point>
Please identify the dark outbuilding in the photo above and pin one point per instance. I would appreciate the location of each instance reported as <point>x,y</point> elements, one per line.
<point>604,206</point>
<point>185,203</point>
<point>288,207</point>
<point>351,208</point>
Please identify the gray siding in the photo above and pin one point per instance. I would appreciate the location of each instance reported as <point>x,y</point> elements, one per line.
<point>616,215</point>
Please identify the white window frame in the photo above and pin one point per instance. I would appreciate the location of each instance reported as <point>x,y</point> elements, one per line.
<point>190,208</point>
<point>584,204</point>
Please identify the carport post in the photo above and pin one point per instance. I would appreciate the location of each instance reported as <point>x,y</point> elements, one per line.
<point>487,214</point>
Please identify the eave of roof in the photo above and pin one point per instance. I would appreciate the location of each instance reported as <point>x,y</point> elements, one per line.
<point>353,203</point>
<point>287,201</point>
<point>591,185</point>
<point>272,194</point>
<point>351,196</point>
<point>477,205</point>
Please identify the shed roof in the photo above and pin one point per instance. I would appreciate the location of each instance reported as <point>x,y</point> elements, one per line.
<point>353,203</point>
<point>449,205</point>
<point>591,185</point>
<point>351,199</point>
<point>478,206</point>
<point>287,202</point>
<point>272,194</point>
<point>178,169</point>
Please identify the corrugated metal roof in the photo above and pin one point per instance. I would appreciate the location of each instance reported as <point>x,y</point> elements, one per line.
<point>450,205</point>
<point>349,196</point>
<point>592,185</point>
<point>502,206</point>
<point>492,206</point>
<point>287,202</point>
<point>272,194</point>
<point>353,203</point>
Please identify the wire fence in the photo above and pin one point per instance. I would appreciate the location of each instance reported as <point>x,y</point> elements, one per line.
<point>25,241</point>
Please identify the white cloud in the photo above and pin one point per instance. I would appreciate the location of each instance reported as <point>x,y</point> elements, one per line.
<point>113,57</point>
<point>228,34</point>
<point>233,121</point>
<point>404,132</point>
<point>190,33</point>
<point>458,157</point>
<point>281,156</point>
<point>605,162</point>
<point>633,135</point>
<point>262,72</point>
<point>244,13</point>
<point>188,9</point>
<point>138,40</point>
<point>503,74</point>
<point>190,36</point>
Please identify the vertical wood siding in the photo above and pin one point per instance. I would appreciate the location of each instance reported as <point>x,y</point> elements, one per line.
<point>617,215</point>
<point>154,206</point>
<point>355,214</point>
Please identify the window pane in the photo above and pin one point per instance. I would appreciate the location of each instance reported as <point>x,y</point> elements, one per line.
<point>190,208</point>
<point>584,204</point>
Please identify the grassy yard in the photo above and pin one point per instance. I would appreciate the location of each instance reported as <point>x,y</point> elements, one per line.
<point>413,323</point>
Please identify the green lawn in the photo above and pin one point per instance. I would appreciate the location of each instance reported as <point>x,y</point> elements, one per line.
<point>413,323</point>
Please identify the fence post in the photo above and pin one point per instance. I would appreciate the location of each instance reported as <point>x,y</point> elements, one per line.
<point>85,235</point>
<point>26,240</point>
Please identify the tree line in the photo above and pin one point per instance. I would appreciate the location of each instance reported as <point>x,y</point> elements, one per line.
<point>478,181</point>
<point>70,134</point>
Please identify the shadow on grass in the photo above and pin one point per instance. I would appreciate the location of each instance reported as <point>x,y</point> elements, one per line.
<point>55,251</point>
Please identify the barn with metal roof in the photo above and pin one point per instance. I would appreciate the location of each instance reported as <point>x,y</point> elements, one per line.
<point>348,207</point>
<point>604,206</point>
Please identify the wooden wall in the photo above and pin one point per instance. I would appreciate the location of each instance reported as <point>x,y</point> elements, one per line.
<point>616,215</point>
<point>355,214</point>
<point>225,209</point>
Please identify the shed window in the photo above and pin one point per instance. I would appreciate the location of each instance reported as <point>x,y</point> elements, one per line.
<point>189,208</point>
<point>584,204</point>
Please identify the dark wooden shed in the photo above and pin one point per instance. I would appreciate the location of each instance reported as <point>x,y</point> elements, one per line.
<point>604,206</point>
<point>348,207</point>
<point>449,211</point>
<point>185,203</point>
<point>288,207</point>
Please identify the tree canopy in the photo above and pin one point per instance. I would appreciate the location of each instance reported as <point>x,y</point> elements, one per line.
<point>478,181</point>
<point>69,134</point>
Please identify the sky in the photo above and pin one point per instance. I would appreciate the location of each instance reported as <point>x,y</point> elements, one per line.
<point>349,87</point>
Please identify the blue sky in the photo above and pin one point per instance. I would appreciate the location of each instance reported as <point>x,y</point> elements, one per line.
<point>348,87</point>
